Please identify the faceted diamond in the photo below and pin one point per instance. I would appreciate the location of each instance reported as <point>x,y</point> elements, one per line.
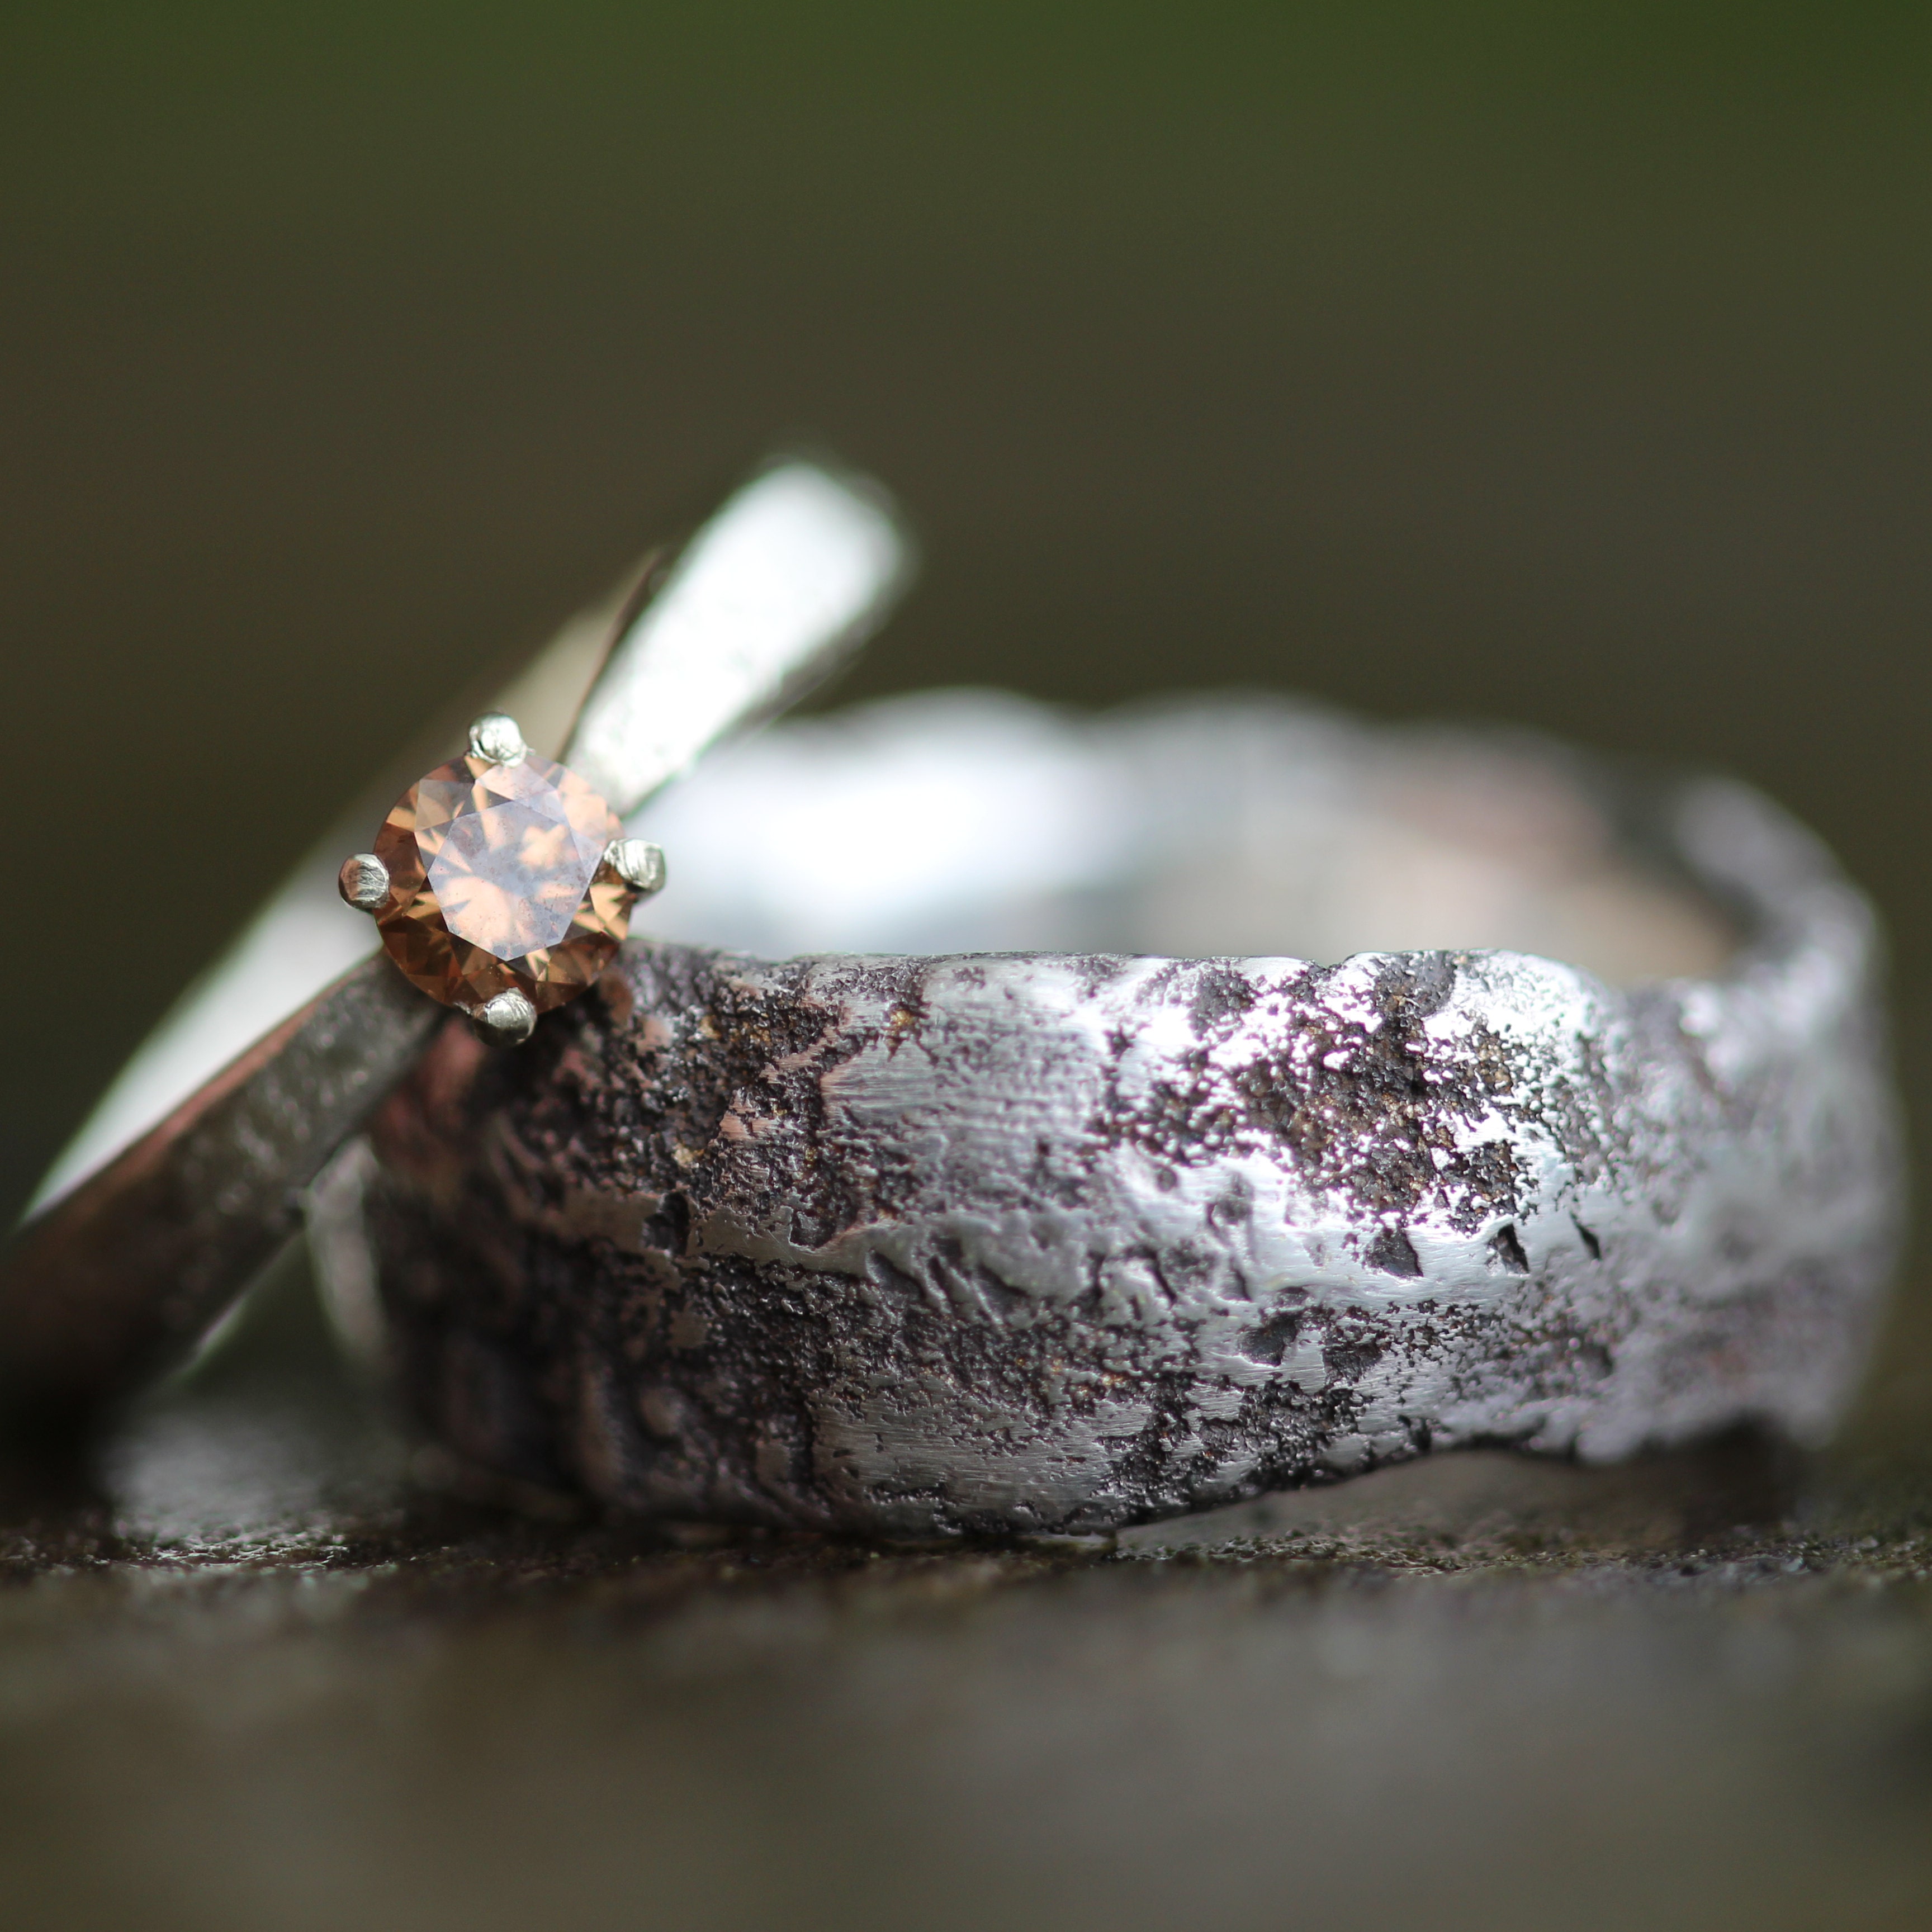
<point>497,883</point>
<point>509,878</point>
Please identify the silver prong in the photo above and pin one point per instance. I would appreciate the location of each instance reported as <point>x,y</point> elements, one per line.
<point>495,737</point>
<point>508,1020</point>
<point>637,862</point>
<point>363,882</point>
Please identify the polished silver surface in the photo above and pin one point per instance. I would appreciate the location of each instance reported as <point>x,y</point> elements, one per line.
<point>140,1261</point>
<point>494,736</point>
<point>363,882</point>
<point>637,862</point>
<point>920,1246</point>
<point>507,1020</point>
<point>186,1180</point>
<point>981,821</point>
<point>764,603</point>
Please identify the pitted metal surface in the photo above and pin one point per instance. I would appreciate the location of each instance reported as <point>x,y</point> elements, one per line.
<point>982,1244</point>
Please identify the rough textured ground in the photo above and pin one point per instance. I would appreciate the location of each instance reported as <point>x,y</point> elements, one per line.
<point>256,1670</point>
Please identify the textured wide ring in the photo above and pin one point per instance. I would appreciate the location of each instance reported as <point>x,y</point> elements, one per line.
<point>990,1243</point>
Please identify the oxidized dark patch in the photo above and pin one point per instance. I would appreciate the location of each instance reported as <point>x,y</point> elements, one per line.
<point>1365,1111</point>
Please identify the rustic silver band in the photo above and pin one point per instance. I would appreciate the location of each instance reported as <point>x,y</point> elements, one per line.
<point>919,1246</point>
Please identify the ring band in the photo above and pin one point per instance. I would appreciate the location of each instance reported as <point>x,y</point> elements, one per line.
<point>923,1246</point>
<point>191,1175</point>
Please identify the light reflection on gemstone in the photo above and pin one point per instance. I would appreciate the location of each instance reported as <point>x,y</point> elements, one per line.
<point>509,878</point>
<point>497,883</point>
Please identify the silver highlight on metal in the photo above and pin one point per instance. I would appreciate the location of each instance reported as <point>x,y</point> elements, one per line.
<point>494,736</point>
<point>121,1282</point>
<point>765,601</point>
<point>363,882</point>
<point>639,863</point>
<point>507,1020</point>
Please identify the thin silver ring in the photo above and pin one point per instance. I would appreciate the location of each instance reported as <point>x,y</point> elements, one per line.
<point>190,1176</point>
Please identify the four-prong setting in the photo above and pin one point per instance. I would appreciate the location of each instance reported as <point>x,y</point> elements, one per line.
<point>501,883</point>
<point>364,883</point>
<point>494,737</point>
<point>508,1020</point>
<point>640,864</point>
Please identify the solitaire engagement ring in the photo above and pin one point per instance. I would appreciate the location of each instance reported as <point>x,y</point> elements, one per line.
<point>501,884</point>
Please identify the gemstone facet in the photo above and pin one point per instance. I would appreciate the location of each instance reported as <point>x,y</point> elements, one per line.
<point>498,883</point>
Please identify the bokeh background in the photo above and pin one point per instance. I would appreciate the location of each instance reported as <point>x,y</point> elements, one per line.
<point>1563,363</point>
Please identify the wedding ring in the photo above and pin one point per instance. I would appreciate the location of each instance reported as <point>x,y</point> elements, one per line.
<point>930,1243</point>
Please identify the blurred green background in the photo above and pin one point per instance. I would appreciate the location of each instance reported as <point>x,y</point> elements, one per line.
<point>1564,364</point>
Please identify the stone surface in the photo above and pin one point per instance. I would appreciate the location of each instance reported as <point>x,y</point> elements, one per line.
<point>497,883</point>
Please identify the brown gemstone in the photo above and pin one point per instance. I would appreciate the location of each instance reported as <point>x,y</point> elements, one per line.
<point>497,882</point>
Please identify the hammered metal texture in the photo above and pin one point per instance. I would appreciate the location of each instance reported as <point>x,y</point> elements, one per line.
<point>989,1244</point>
